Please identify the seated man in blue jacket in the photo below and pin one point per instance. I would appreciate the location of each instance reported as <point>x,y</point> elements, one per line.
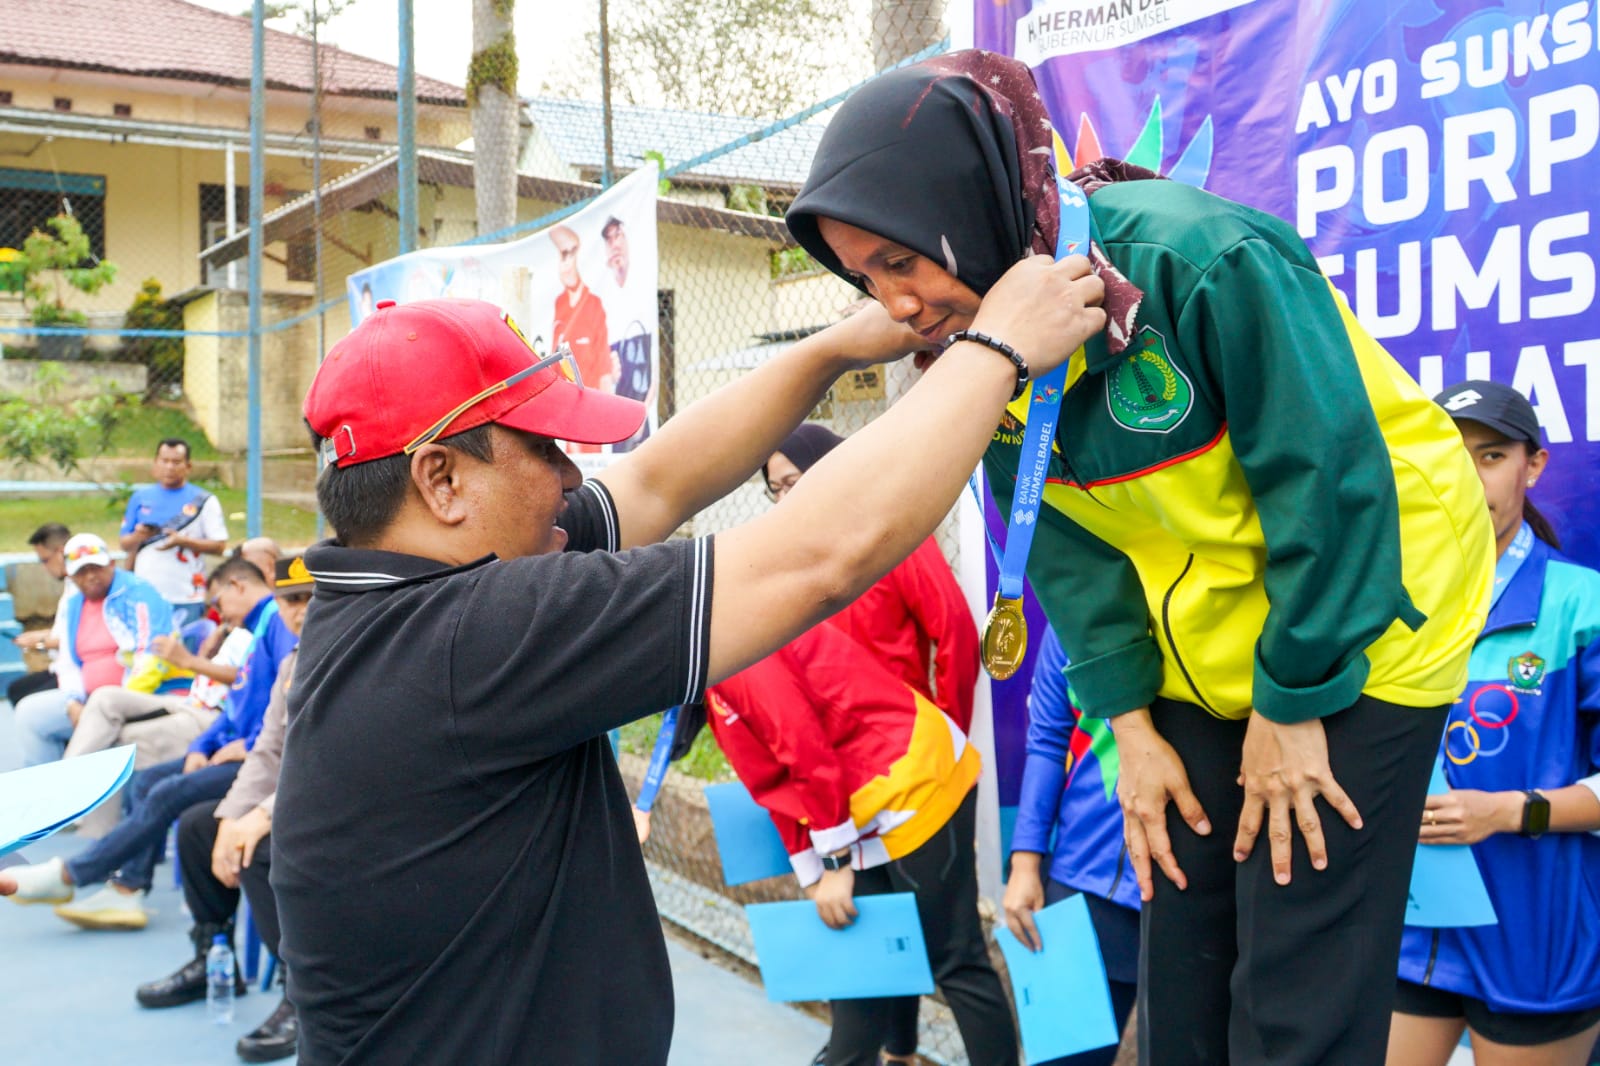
<point>125,859</point>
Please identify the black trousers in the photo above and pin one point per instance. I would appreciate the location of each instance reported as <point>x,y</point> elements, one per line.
<point>943,875</point>
<point>1240,970</point>
<point>210,901</point>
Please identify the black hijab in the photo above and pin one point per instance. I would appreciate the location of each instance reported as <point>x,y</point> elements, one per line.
<point>806,445</point>
<point>936,157</point>
<point>954,158</point>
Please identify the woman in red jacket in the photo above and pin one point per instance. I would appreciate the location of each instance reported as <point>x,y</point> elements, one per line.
<point>871,787</point>
<point>915,620</point>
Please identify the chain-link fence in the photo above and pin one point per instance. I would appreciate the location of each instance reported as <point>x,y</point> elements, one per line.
<point>125,273</point>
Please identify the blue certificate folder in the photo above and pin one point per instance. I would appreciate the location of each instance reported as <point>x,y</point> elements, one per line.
<point>881,954</point>
<point>747,841</point>
<point>1447,889</point>
<point>1063,1001</point>
<point>39,800</point>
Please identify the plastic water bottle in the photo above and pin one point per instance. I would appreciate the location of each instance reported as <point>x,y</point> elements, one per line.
<point>219,981</point>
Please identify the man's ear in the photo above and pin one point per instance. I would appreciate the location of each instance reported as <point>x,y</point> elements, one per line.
<point>436,474</point>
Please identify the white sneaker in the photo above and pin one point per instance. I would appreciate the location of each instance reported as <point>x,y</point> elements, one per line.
<point>107,909</point>
<point>41,883</point>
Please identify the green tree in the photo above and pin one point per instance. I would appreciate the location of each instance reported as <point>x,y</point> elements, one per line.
<point>758,58</point>
<point>52,264</point>
<point>162,356</point>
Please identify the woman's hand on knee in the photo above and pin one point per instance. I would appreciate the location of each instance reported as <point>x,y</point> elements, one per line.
<point>1150,776</point>
<point>1283,770</point>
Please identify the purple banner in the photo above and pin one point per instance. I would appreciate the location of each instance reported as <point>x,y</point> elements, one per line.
<point>1437,155</point>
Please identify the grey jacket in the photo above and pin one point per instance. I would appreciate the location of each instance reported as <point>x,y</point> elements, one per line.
<point>257,782</point>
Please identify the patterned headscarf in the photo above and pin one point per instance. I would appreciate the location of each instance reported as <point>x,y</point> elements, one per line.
<point>954,159</point>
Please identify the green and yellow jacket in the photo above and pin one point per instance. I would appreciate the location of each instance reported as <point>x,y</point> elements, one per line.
<point>1252,505</point>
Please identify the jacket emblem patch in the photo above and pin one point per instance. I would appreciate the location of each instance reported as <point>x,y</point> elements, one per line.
<point>1146,392</point>
<point>1526,670</point>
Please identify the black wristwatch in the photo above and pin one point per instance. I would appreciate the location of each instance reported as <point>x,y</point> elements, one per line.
<point>842,862</point>
<point>1535,814</point>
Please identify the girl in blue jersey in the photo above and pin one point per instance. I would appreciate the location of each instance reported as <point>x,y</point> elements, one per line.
<point>1068,810</point>
<point>1521,752</point>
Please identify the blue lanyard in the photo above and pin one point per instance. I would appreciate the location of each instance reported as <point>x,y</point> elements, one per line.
<point>660,756</point>
<point>1005,636</point>
<point>1506,567</point>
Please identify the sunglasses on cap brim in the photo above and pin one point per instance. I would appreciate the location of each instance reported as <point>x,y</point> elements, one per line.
<point>562,359</point>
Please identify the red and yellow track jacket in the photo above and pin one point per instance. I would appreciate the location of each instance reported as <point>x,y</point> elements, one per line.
<point>840,752</point>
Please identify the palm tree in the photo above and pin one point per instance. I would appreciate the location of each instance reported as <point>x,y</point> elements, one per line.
<point>492,94</point>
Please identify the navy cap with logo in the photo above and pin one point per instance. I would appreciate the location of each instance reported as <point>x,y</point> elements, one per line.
<point>1500,407</point>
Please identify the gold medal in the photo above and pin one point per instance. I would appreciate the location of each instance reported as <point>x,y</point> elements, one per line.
<point>1005,638</point>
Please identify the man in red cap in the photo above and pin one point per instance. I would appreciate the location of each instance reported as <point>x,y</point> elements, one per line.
<point>453,855</point>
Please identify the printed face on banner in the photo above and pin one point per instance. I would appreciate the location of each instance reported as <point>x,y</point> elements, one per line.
<point>588,282</point>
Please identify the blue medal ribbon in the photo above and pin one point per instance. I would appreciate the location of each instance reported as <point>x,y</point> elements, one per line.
<point>1005,634</point>
<point>1506,567</point>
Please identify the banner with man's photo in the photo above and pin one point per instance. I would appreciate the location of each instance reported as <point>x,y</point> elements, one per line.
<point>587,283</point>
<point>1437,155</point>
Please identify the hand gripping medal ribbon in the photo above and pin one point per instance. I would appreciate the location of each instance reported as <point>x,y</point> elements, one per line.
<point>1005,631</point>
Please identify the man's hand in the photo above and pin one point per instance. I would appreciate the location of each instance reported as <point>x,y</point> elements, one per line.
<point>832,897</point>
<point>173,650</point>
<point>1044,309</point>
<point>641,824</point>
<point>232,751</point>
<point>871,337</point>
<point>1466,816</point>
<point>1285,768</point>
<point>74,712</point>
<point>194,761</point>
<point>38,639</point>
<point>236,844</point>
<point>1024,895</point>
<point>1150,777</point>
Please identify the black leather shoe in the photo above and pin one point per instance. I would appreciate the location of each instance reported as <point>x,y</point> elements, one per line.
<point>187,984</point>
<point>273,1039</point>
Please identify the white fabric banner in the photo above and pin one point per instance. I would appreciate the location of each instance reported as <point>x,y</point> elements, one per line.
<point>588,282</point>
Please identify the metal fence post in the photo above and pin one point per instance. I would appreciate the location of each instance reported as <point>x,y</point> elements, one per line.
<point>407,133</point>
<point>258,172</point>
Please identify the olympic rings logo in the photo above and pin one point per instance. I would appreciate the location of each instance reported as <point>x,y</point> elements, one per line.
<point>1490,722</point>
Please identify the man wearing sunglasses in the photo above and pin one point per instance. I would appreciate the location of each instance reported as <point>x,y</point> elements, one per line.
<point>453,856</point>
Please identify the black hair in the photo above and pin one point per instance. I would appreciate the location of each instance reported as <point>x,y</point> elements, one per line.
<point>611,223</point>
<point>174,442</point>
<point>1533,516</point>
<point>237,568</point>
<point>360,501</point>
<point>51,535</point>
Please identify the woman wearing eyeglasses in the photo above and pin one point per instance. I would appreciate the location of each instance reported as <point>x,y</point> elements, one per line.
<point>915,619</point>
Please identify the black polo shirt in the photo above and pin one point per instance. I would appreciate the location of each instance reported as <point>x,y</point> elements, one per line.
<point>453,857</point>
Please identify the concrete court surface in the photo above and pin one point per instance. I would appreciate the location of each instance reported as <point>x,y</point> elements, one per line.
<point>66,996</point>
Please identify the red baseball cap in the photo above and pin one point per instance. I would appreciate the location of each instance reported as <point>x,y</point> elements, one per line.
<point>411,373</point>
